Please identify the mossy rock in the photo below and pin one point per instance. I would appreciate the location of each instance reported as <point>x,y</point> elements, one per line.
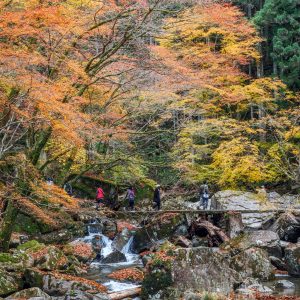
<point>9,283</point>
<point>157,230</point>
<point>158,278</point>
<point>52,259</point>
<point>254,263</point>
<point>31,246</point>
<point>16,261</point>
<point>30,293</point>
<point>7,258</point>
<point>26,224</point>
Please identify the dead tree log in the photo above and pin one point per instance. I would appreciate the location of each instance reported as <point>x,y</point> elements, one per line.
<point>125,294</point>
<point>215,235</point>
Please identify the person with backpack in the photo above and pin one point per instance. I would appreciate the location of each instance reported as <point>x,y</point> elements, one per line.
<point>157,198</point>
<point>204,195</point>
<point>131,197</point>
<point>99,198</point>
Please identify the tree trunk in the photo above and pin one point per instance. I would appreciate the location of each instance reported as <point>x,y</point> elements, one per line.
<point>6,226</point>
<point>125,294</point>
<point>35,154</point>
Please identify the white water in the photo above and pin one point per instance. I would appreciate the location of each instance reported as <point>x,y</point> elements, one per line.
<point>131,259</point>
<point>116,286</point>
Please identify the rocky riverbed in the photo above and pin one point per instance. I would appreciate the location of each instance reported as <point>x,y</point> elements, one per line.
<point>167,256</point>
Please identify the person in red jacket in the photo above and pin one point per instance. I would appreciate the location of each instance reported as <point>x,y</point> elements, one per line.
<point>99,198</point>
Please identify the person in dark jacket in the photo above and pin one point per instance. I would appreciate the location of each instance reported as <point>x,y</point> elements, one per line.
<point>156,198</point>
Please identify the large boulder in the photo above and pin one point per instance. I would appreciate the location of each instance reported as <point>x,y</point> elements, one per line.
<point>110,228</point>
<point>82,251</point>
<point>284,201</point>
<point>62,235</point>
<point>264,239</point>
<point>292,258</point>
<point>59,284</point>
<point>159,228</point>
<point>239,200</point>
<point>114,257</point>
<point>253,262</point>
<point>16,261</point>
<point>29,293</point>
<point>121,239</point>
<point>50,258</point>
<point>203,269</point>
<point>9,283</point>
<point>287,226</point>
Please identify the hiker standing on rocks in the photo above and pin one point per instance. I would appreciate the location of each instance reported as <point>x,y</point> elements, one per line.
<point>99,198</point>
<point>204,195</point>
<point>130,196</point>
<point>157,197</point>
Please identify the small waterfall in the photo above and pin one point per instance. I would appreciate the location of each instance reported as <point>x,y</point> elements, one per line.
<point>130,256</point>
<point>107,249</point>
<point>95,229</point>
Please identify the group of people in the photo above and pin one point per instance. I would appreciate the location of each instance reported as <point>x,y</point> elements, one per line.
<point>130,197</point>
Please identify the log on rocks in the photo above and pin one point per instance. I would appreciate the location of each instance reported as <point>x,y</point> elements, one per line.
<point>215,234</point>
<point>125,294</point>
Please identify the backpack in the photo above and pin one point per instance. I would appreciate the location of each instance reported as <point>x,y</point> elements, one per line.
<point>130,195</point>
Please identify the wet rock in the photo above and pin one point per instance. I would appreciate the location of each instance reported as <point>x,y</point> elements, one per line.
<point>121,239</point>
<point>29,293</point>
<point>9,283</point>
<point>264,239</point>
<point>284,284</point>
<point>160,228</point>
<point>292,259</point>
<point>109,228</point>
<point>278,263</point>
<point>114,257</point>
<point>253,262</point>
<point>287,226</point>
<point>239,200</point>
<point>203,269</point>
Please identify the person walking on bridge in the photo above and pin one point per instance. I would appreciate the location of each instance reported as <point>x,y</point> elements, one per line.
<point>204,195</point>
<point>99,198</point>
<point>157,198</point>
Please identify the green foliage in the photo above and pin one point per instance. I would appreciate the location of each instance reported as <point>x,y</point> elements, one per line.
<point>282,17</point>
<point>31,246</point>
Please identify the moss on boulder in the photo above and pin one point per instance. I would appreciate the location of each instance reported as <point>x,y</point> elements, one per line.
<point>9,283</point>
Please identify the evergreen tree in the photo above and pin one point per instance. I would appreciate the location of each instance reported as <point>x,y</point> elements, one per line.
<point>281,22</point>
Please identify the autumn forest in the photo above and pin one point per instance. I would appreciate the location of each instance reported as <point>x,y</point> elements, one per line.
<point>136,93</point>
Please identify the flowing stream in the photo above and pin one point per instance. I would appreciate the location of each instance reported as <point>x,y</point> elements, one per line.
<point>98,271</point>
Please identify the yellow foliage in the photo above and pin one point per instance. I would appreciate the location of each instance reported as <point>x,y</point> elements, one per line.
<point>239,163</point>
